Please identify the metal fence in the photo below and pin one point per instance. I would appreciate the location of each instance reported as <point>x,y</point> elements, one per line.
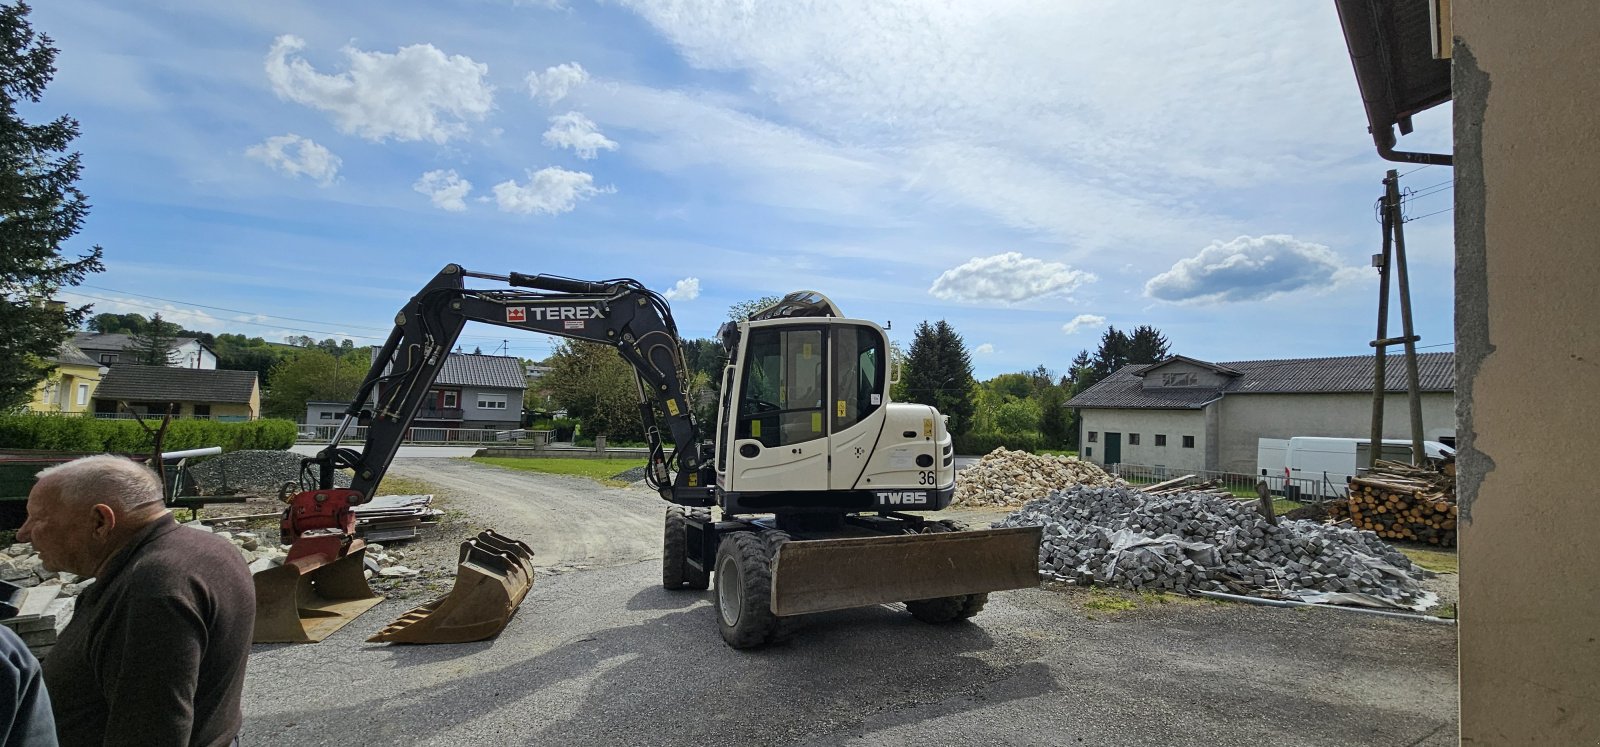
<point>1238,483</point>
<point>425,435</point>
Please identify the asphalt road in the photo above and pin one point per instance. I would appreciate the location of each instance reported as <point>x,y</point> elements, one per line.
<point>605,656</point>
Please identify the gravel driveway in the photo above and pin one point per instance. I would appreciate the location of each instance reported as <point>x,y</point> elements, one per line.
<point>605,656</point>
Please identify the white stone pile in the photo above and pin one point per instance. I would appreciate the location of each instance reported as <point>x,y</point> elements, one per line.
<point>47,599</point>
<point>262,552</point>
<point>1011,478</point>
<point>1118,536</point>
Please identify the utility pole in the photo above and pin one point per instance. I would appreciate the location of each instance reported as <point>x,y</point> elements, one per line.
<point>1394,254</point>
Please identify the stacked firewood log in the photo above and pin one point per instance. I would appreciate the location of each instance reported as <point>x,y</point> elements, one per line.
<point>1399,501</point>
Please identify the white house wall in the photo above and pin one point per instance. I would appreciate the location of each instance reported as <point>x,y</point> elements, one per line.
<point>1174,424</point>
<point>1245,418</point>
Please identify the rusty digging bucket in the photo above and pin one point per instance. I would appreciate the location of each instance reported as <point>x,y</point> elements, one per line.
<point>307,599</point>
<point>494,575</point>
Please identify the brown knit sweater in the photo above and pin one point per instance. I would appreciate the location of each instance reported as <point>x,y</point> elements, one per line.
<point>155,653</point>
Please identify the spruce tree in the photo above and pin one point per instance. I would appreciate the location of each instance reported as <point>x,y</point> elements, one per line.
<point>1147,345</point>
<point>154,346</point>
<point>40,208</point>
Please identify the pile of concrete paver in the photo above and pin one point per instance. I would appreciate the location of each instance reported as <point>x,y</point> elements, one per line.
<point>1119,536</point>
<point>1011,478</point>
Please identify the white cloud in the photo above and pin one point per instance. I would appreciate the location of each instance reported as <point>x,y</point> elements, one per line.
<point>984,349</point>
<point>549,191</point>
<point>1250,268</point>
<point>1082,320</point>
<point>687,289</point>
<point>1007,278</point>
<point>446,188</point>
<point>556,82</point>
<point>575,131</point>
<point>416,93</point>
<point>297,156</point>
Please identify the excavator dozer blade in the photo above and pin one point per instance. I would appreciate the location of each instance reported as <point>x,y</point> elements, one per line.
<point>832,574</point>
<point>493,577</point>
<point>306,600</point>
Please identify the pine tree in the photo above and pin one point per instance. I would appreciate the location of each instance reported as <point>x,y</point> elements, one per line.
<point>939,373</point>
<point>40,208</point>
<point>1112,355</point>
<point>1147,345</point>
<point>154,346</point>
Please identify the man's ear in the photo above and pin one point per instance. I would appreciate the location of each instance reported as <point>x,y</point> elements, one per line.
<point>105,519</point>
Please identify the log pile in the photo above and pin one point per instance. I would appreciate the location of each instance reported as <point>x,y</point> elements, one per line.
<point>1188,484</point>
<point>1402,502</point>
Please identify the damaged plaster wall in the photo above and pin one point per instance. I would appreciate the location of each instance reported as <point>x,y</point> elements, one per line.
<point>1527,157</point>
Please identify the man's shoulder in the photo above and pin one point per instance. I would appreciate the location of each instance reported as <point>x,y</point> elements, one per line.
<point>188,551</point>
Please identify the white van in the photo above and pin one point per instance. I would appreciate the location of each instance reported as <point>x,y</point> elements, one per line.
<point>1321,466</point>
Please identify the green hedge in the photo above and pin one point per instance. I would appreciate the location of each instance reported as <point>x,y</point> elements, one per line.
<point>978,444</point>
<point>76,433</point>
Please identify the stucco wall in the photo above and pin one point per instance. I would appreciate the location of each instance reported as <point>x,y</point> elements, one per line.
<point>473,416</point>
<point>1527,150</point>
<point>1181,375</point>
<point>59,393</point>
<point>1247,417</point>
<point>1174,424</point>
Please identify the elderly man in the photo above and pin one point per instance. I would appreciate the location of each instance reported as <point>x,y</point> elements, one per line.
<point>155,653</point>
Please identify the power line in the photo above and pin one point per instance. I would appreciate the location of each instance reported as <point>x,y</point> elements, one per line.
<point>1415,170</point>
<point>1436,212</point>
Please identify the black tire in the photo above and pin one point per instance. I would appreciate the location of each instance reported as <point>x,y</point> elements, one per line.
<point>744,590</point>
<point>675,551</point>
<point>947,609</point>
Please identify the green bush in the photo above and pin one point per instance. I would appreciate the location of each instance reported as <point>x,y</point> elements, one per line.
<point>76,433</point>
<point>978,444</point>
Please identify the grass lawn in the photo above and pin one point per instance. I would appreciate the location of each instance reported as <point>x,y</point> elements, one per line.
<point>599,470</point>
<point>1438,561</point>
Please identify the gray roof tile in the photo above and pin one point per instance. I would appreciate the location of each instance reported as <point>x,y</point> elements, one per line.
<point>128,382</point>
<point>468,369</point>
<point>1124,388</point>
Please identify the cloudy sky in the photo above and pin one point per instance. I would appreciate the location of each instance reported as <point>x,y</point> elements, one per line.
<point>1029,170</point>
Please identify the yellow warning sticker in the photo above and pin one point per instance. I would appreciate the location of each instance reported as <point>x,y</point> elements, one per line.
<point>805,350</point>
<point>755,429</point>
<point>672,406</point>
<point>841,408</point>
<point>816,422</point>
<point>927,427</point>
<point>694,479</point>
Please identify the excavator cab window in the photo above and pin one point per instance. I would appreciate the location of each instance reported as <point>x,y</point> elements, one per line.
<point>859,356</point>
<point>781,400</point>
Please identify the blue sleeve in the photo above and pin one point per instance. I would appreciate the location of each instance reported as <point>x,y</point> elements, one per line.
<point>25,716</point>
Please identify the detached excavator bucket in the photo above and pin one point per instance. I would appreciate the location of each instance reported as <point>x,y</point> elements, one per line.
<point>832,574</point>
<point>494,575</point>
<point>305,600</point>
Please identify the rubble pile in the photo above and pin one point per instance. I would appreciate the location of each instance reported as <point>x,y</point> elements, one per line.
<point>46,604</point>
<point>252,471</point>
<point>1119,536</point>
<point>1012,478</point>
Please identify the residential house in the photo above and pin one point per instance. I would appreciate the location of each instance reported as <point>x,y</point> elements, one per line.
<point>1189,414</point>
<point>70,387</point>
<point>111,349</point>
<point>473,391</point>
<point>189,392</point>
<point>325,413</point>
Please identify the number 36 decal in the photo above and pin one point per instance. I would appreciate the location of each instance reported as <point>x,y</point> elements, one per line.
<point>926,478</point>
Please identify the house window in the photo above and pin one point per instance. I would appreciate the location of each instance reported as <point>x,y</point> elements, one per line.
<point>448,399</point>
<point>491,401</point>
<point>83,394</point>
<point>1188,442</point>
<point>325,415</point>
<point>1133,439</point>
<point>1161,439</point>
<point>108,357</point>
<point>1094,436</point>
<point>1088,451</point>
<point>202,411</point>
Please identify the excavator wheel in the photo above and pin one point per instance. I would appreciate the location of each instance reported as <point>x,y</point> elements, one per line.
<point>946,609</point>
<point>676,572</point>
<point>744,587</point>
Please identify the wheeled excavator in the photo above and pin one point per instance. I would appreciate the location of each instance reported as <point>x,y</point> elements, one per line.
<point>804,496</point>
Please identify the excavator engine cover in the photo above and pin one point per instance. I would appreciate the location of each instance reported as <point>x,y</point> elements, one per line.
<point>494,575</point>
<point>308,598</point>
<point>833,574</point>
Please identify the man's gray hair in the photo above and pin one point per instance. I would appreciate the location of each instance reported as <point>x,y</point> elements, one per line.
<point>118,482</point>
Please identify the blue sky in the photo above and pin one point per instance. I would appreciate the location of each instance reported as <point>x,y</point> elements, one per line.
<point>1028,171</point>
